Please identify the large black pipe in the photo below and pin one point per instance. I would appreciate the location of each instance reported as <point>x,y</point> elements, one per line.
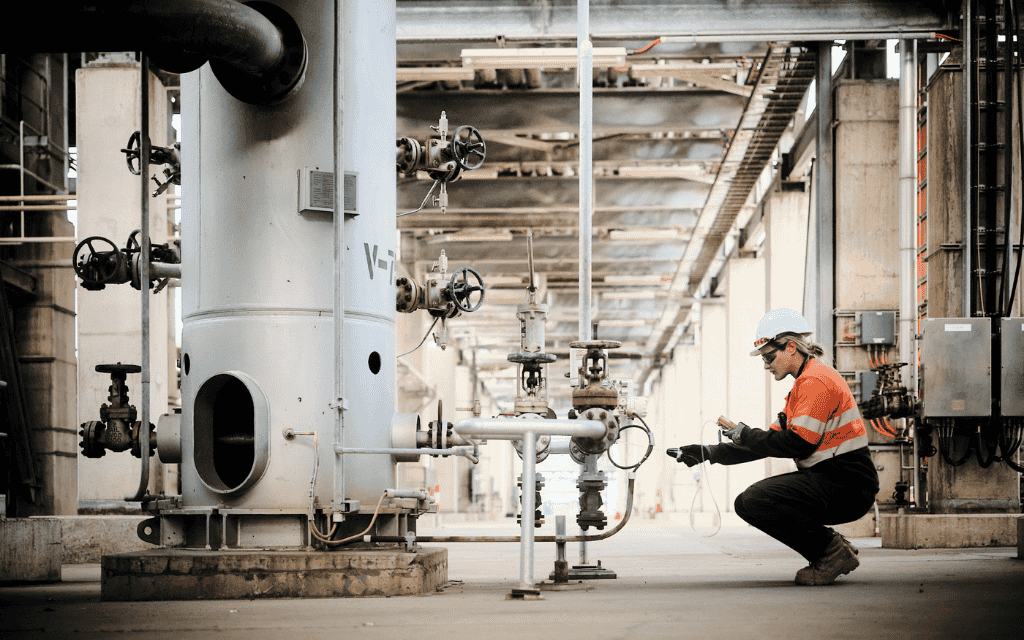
<point>255,49</point>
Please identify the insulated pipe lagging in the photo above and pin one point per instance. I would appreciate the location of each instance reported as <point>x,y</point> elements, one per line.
<point>255,49</point>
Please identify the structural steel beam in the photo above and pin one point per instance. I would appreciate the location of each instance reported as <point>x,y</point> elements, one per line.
<point>703,20</point>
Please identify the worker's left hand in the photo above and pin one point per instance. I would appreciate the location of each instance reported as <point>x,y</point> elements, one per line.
<point>735,433</point>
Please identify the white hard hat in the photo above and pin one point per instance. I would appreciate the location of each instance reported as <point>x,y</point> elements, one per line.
<point>775,323</point>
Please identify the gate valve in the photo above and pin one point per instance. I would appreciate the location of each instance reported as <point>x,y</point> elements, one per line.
<point>118,428</point>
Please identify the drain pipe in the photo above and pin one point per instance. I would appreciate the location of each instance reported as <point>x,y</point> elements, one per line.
<point>908,225</point>
<point>144,146</point>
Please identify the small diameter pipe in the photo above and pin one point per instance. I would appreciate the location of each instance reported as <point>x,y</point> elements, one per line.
<point>579,538</point>
<point>517,428</point>
<point>338,308</point>
<point>465,452</point>
<point>144,244</point>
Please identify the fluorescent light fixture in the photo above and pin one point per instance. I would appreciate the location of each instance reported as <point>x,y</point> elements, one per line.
<point>689,172</point>
<point>505,280</point>
<point>630,295</point>
<point>432,74</point>
<point>539,58</point>
<point>630,279</point>
<point>472,236</point>
<point>647,234</point>
<point>627,322</point>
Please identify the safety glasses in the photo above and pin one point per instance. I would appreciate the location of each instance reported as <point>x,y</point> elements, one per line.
<point>769,356</point>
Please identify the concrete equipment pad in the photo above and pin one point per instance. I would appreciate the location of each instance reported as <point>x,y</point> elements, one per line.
<point>944,531</point>
<point>177,574</point>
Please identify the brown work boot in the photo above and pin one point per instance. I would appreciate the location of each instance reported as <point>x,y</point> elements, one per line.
<point>840,558</point>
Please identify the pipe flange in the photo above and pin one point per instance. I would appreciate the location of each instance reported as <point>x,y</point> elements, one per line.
<point>407,295</point>
<point>407,156</point>
<point>543,448</point>
<point>597,446</point>
<point>275,84</point>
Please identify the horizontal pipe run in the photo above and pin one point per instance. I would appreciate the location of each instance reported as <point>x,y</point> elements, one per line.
<point>164,270</point>
<point>19,240</point>
<point>515,428</point>
<point>407,493</point>
<point>797,36</point>
<point>465,452</point>
<point>39,198</point>
<point>39,207</point>
<point>556,538</point>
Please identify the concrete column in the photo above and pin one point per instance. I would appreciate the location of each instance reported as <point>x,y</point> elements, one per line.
<point>712,343</point>
<point>745,374</point>
<point>109,321</point>
<point>44,324</point>
<point>785,219</point>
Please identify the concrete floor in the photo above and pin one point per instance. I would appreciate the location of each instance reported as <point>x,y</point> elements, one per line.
<point>672,584</point>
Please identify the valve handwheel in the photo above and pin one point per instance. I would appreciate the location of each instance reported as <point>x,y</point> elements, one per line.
<point>468,144</point>
<point>132,153</point>
<point>96,267</point>
<point>461,290</point>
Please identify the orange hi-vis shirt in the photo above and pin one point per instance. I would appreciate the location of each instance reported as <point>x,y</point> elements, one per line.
<point>821,410</point>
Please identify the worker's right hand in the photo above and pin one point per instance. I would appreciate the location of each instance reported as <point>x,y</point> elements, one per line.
<point>691,454</point>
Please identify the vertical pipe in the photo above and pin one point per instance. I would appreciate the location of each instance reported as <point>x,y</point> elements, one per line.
<point>339,250</point>
<point>970,141</point>
<point>529,488</point>
<point>585,73</point>
<point>908,208</point>
<point>825,219</point>
<point>21,165</point>
<point>144,258</point>
<point>1008,186</point>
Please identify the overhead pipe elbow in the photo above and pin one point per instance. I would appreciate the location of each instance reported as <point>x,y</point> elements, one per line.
<point>255,49</point>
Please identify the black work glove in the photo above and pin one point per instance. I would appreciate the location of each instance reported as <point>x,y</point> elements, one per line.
<point>691,454</point>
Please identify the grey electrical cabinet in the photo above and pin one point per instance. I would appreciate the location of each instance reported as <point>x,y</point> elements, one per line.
<point>956,361</point>
<point>1011,382</point>
<point>878,327</point>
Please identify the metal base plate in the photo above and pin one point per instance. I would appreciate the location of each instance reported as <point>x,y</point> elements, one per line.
<point>524,594</point>
<point>588,572</point>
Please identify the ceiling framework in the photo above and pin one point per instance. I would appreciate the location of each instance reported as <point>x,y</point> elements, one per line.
<point>682,132</point>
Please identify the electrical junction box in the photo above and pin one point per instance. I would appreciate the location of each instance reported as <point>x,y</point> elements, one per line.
<point>316,191</point>
<point>867,380</point>
<point>878,327</point>
<point>956,364</point>
<point>1011,382</point>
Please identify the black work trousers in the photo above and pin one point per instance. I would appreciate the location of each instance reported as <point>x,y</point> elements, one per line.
<point>794,508</point>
